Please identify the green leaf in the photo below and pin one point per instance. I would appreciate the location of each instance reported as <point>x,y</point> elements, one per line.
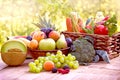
<point>112,25</point>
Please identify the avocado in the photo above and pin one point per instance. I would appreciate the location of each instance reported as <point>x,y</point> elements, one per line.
<point>13,52</point>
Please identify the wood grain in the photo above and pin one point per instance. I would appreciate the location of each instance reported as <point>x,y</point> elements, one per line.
<point>95,71</point>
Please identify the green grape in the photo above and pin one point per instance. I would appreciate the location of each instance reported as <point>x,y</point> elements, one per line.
<point>64,64</point>
<point>40,64</point>
<point>59,56</point>
<point>47,59</point>
<point>55,60</point>
<point>42,61</point>
<point>37,70</point>
<point>31,64</point>
<point>59,52</point>
<point>75,66</point>
<point>58,64</point>
<point>70,58</point>
<point>61,59</point>
<point>41,58</point>
<point>74,58</point>
<point>69,55</point>
<point>32,68</point>
<point>48,54</point>
<point>36,62</point>
<point>63,55</point>
<point>41,68</point>
<point>70,64</point>
<point>66,58</point>
<point>67,61</point>
<point>52,56</point>
<point>76,62</point>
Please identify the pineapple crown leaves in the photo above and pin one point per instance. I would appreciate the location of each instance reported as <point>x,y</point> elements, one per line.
<point>44,23</point>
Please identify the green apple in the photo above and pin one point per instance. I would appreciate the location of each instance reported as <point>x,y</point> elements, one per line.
<point>47,44</point>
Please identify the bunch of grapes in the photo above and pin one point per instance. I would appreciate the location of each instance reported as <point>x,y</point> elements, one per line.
<point>60,60</point>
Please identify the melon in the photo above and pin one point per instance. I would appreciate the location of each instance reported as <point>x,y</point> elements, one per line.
<point>26,41</point>
<point>13,52</point>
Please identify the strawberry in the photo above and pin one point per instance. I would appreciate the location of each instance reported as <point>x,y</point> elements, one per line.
<point>64,71</point>
<point>60,70</point>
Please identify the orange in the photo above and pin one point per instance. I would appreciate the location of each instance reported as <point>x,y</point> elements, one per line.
<point>38,35</point>
<point>33,44</point>
<point>48,65</point>
<point>54,35</point>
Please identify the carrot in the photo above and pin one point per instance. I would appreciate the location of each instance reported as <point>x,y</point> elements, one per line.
<point>79,29</point>
<point>69,24</point>
<point>80,26</point>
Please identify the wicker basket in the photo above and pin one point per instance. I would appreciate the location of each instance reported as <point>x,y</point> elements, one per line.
<point>101,42</point>
<point>36,53</point>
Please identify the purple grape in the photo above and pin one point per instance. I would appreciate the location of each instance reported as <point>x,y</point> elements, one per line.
<point>29,38</point>
<point>54,70</point>
<point>69,41</point>
<point>46,30</point>
<point>66,67</point>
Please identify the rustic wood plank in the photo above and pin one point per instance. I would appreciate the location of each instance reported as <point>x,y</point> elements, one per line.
<point>2,64</point>
<point>95,71</point>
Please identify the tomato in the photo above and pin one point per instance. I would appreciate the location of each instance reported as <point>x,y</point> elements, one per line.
<point>101,29</point>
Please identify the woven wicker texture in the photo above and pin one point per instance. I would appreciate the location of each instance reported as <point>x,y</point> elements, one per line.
<point>101,42</point>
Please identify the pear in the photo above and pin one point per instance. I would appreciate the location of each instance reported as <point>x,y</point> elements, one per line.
<point>61,42</point>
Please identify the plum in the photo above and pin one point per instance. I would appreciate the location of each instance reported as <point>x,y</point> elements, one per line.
<point>66,67</point>
<point>46,30</point>
<point>69,41</point>
<point>29,38</point>
<point>54,70</point>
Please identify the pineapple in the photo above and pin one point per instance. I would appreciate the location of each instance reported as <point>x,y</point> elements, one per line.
<point>45,26</point>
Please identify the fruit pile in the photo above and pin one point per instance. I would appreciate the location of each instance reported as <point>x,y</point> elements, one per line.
<point>54,41</point>
<point>47,38</point>
<point>54,63</point>
<point>103,25</point>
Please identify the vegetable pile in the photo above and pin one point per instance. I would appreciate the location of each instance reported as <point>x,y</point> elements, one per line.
<point>85,53</point>
<point>103,25</point>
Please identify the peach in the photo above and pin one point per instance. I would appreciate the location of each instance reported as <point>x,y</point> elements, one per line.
<point>48,65</point>
<point>54,35</point>
<point>38,35</point>
<point>33,44</point>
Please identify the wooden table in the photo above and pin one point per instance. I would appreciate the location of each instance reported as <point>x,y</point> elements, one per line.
<point>95,71</point>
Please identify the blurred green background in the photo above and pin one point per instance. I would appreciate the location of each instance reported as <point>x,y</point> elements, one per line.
<point>17,16</point>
